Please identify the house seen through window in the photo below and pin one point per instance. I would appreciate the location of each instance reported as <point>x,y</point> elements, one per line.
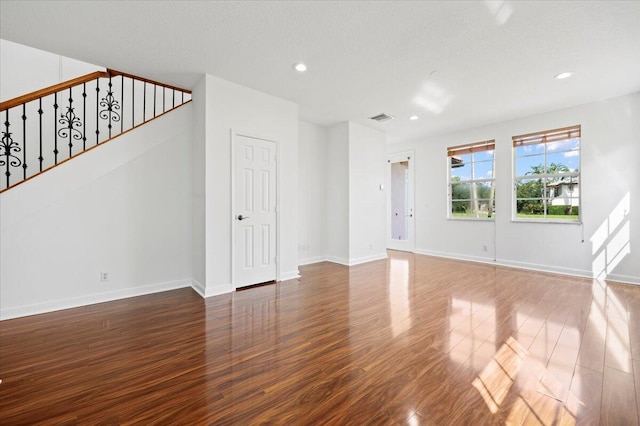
<point>547,175</point>
<point>472,181</point>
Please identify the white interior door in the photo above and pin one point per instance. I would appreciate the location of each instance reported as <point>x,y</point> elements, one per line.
<point>400,202</point>
<point>254,211</point>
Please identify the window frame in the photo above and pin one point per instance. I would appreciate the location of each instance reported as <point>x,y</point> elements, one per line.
<point>471,148</point>
<point>544,138</point>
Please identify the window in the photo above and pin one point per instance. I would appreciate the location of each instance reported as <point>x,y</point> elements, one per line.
<point>472,181</point>
<point>547,175</point>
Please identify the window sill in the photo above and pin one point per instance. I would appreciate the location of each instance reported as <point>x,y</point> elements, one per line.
<point>471,219</point>
<point>564,222</point>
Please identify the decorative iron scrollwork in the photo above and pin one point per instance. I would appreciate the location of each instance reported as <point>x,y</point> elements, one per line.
<point>8,147</point>
<point>71,123</point>
<point>111,107</point>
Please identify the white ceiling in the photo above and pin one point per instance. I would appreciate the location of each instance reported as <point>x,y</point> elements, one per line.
<point>454,64</point>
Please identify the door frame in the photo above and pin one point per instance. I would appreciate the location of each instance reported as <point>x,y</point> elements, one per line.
<point>234,138</point>
<point>410,244</point>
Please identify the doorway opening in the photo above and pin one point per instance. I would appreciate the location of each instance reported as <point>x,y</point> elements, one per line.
<point>400,202</point>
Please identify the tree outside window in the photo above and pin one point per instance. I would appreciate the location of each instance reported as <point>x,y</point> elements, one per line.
<point>547,175</point>
<point>472,181</point>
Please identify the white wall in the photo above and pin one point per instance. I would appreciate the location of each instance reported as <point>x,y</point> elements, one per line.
<point>342,209</point>
<point>312,171</point>
<point>367,203</point>
<point>123,208</point>
<point>198,179</point>
<point>337,194</point>
<point>610,190</point>
<point>43,69</point>
<point>232,107</point>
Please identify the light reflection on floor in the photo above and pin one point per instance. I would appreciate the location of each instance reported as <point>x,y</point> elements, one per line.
<point>400,310</point>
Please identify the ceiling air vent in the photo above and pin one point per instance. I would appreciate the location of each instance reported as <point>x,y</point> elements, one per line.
<point>382,117</point>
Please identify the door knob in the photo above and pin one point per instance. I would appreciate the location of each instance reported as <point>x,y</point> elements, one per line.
<point>240,217</point>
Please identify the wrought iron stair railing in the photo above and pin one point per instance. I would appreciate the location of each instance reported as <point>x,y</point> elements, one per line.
<point>46,128</point>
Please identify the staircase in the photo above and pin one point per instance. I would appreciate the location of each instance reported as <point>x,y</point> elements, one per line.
<point>48,127</point>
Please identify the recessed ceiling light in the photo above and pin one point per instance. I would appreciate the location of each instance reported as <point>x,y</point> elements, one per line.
<point>413,117</point>
<point>300,67</point>
<point>563,75</point>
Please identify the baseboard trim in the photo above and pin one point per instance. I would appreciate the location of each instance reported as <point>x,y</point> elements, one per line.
<point>355,261</point>
<point>311,260</point>
<point>477,259</point>
<point>545,268</point>
<point>210,292</point>
<point>338,260</point>
<point>533,267</point>
<point>291,275</point>
<point>367,259</point>
<point>76,302</point>
<point>625,279</point>
<point>198,288</point>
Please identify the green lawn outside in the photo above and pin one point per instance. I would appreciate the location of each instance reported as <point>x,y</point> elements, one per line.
<point>484,215</point>
<point>549,216</point>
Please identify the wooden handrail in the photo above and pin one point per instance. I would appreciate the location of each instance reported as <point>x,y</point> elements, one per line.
<point>74,82</point>
<point>135,77</point>
<point>51,90</point>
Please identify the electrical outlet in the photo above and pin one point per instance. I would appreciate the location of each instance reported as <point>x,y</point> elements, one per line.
<point>104,276</point>
<point>485,248</point>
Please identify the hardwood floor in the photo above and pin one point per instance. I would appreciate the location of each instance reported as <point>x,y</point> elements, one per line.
<point>408,340</point>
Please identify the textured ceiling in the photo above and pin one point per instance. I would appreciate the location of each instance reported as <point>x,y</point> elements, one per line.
<point>454,64</point>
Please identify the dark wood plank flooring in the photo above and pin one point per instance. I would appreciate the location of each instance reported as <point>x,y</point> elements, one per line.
<point>408,340</point>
